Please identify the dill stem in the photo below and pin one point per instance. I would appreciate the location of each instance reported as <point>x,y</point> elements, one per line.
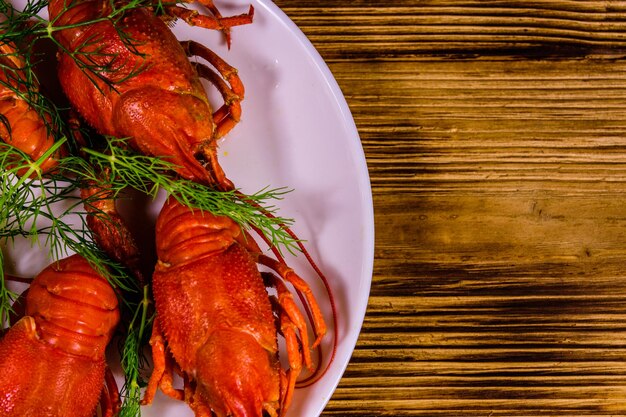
<point>50,29</point>
<point>36,165</point>
<point>145,302</point>
<point>92,152</point>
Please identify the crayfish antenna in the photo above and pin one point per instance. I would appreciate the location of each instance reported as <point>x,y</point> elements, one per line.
<point>318,373</point>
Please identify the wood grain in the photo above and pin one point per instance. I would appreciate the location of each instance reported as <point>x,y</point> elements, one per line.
<point>495,136</point>
<point>364,29</point>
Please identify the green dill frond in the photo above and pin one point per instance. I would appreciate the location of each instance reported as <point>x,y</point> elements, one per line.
<point>41,208</point>
<point>7,297</point>
<point>132,358</point>
<point>19,26</point>
<point>149,174</point>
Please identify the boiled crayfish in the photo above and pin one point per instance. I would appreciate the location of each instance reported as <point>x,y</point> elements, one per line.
<point>143,87</point>
<point>215,317</point>
<point>52,361</point>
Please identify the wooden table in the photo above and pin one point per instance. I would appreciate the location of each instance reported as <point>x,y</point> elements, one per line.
<point>495,135</point>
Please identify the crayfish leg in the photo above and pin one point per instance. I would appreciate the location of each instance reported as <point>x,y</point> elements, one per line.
<point>162,374</point>
<point>167,382</point>
<point>291,319</point>
<point>288,274</point>
<point>215,22</point>
<point>209,152</point>
<point>196,404</point>
<point>110,402</point>
<point>228,83</point>
<point>288,329</point>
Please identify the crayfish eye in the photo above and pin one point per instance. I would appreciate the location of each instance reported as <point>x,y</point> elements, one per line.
<point>200,157</point>
<point>205,164</point>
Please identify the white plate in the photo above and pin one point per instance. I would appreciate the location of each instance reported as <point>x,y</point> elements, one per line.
<point>297,132</point>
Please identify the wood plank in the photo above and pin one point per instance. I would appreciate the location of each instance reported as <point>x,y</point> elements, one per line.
<point>481,123</point>
<point>376,29</point>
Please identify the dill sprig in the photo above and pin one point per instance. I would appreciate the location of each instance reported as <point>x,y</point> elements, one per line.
<point>7,297</point>
<point>132,359</point>
<point>17,208</point>
<point>149,174</point>
<point>36,206</point>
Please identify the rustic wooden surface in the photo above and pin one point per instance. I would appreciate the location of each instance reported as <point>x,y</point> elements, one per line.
<point>495,135</point>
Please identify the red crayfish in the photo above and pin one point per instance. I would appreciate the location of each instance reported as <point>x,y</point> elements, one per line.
<point>143,86</point>
<point>216,318</point>
<point>52,360</point>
